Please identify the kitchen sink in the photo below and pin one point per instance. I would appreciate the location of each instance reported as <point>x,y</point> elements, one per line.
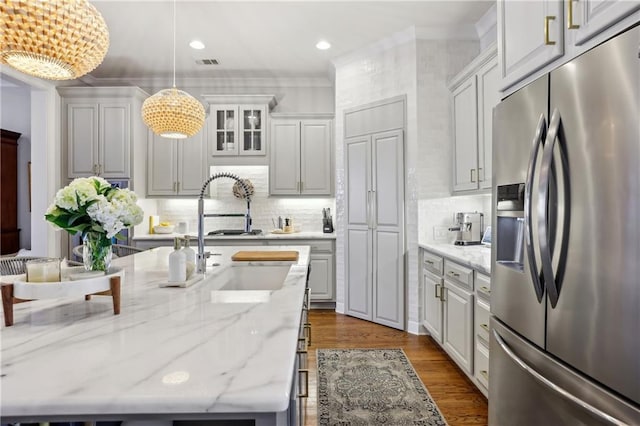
<point>235,232</point>
<point>267,277</point>
<point>248,284</point>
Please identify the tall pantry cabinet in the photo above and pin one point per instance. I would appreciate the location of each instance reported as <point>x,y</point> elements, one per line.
<point>374,198</point>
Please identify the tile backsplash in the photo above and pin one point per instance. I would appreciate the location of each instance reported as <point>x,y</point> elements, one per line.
<point>438,213</point>
<point>306,212</point>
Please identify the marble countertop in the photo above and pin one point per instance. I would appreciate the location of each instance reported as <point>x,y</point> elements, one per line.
<point>476,256</point>
<point>303,235</point>
<point>170,351</point>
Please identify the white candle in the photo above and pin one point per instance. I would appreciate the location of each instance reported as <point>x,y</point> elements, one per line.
<point>43,270</point>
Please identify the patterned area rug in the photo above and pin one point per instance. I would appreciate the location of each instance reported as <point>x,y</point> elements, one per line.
<point>372,387</point>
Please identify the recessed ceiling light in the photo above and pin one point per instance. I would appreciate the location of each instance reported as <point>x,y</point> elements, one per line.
<point>196,44</point>
<point>323,45</point>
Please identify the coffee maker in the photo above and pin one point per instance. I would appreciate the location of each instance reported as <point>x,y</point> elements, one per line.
<point>468,227</point>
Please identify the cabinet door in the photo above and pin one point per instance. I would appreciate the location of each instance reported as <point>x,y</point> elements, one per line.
<point>191,165</point>
<point>358,244</point>
<point>433,288</point>
<point>522,43</point>
<point>458,325</point>
<point>488,97</point>
<point>594,16</point>
<point>387,214</point>
<point>82,139</point>
<point>321,278</point>
<point>114,146</point>
<point>223,130</point>
<point>284,170</point>
<point>252,130</point>
<point>465,136</point>
<point>315,157</point>
<point>162,178</point>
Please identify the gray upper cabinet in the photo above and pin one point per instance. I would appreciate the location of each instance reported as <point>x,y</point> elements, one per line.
<point>474,93</point>
<point>100,128</point>
<point>301,158</point>
<point>535,37</point>
<point>176,167</point>
<point>238,129</point>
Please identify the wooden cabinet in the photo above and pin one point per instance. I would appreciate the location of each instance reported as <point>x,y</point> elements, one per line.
<point>9,232</point>
<point>176,166</point>
<point>374,246</point>
<point>536,36</point>
<point>237,129</point>
<point>100,127</point>
<point>301,161</point>
<point>474,94</point>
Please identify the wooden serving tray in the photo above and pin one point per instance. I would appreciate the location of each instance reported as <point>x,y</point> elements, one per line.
<point>256,256</point>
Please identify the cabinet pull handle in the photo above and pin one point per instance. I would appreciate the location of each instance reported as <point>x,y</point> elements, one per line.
<point>485,327</point>
<point>306,383</point>
<point>485,289</point>
<point>485,374</point>
<point>546,30</point>
<point>471,172</point>
<point>479,180</point>
<point>100,169</point>
<point>453,274</point>
<point>302,344</point>
<point>570,24</point>
<point>307,328</point>
<point>93,170</point>
<point>442,294</point>
<point>430,262</point>
<point>437,287</point>
<point>178,186</point>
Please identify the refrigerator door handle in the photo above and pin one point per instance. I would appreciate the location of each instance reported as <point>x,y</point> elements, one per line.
<point>541,133</point>
<point>543,205</point>
<point>549,384</point>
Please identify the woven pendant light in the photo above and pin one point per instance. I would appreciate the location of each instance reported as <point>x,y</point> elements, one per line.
<point>173,113</point>
<point>52,39</point>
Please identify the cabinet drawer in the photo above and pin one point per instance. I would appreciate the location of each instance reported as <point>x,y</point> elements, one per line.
<point>483,285</point>
<point>433,263</point>
<point>482,320</point>
<point>481,366</point>
<point>459,274</point>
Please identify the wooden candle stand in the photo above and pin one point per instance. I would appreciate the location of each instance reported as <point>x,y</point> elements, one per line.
<point>9,290</point>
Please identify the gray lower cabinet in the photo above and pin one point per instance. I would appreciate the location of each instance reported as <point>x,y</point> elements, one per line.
<point>322,281</point>
<point>455,311</point>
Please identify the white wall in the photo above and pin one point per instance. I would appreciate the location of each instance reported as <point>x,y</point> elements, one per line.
<point>15,115</point>
<point>306,212</point>
<point>436,214</point>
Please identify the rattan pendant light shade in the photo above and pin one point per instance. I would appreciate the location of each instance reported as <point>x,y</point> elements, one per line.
<point>173,113</point>
<point>52,39</point>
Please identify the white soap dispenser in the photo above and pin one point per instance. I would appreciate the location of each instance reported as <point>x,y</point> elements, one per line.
<point>190,255</point>
<point>177,263</point>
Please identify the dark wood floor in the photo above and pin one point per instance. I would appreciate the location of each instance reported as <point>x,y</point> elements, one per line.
<point>459,400</point>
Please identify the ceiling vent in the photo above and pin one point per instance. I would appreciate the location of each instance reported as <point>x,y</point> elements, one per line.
<point>207,61</point>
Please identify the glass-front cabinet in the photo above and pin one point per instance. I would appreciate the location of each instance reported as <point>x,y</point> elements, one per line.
<point>238,128</point>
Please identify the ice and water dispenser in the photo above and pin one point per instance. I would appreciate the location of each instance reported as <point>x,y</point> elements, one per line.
<point>509,238</point>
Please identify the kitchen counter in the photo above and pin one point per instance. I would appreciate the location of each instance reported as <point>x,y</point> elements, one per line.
<point>475,256</point>
<point>173,352</point>
<point>303,235</point>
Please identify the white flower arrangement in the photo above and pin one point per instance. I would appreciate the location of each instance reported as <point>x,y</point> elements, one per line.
<point>92,205</point>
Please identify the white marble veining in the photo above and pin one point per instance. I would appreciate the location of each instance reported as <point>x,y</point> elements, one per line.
<point>303,235</point>
<point>476,256</point>
<point>171,351</point>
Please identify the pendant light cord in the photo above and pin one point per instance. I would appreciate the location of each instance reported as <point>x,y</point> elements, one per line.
<point>174,44</point>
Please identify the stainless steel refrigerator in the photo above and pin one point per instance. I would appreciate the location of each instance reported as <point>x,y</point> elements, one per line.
<point>565,302</point>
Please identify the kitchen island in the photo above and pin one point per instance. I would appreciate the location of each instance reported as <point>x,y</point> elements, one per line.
<point>171,354</point>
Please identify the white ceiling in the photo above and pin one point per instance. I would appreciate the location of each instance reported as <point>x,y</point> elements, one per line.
<point>262,39</point>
